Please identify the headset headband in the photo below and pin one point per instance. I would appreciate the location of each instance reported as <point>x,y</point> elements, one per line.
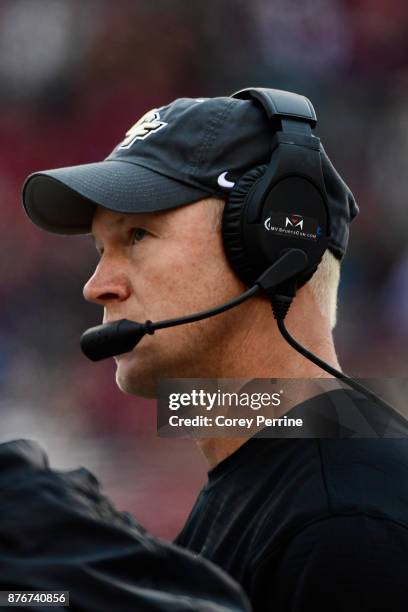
<point>293,110</point>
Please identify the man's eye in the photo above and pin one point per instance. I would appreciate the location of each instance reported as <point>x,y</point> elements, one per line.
<point>138,233</point>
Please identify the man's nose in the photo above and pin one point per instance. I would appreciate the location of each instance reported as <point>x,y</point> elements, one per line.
<point>106,285</point>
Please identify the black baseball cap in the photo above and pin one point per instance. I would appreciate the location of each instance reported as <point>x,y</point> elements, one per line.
<point>190,149</point>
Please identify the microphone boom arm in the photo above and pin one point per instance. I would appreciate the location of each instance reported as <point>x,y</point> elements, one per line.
<point>122,336</point>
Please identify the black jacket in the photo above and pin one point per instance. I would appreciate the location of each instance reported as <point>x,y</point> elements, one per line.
<point>58,532</point>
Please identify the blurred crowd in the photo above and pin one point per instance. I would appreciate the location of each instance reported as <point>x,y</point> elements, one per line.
<point>74,75</point>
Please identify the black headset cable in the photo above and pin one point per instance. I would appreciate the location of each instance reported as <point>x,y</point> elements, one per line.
<point>280,307</point>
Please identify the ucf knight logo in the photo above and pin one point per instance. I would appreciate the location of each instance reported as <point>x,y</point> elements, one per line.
<point>149,123</point>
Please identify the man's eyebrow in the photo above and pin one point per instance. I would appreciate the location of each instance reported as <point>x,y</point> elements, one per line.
<point>119,221</point>
<point>125,219</point>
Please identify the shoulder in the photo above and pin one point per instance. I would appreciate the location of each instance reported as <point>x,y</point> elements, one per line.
<point>330,479</point>
<point>354,562</point>
<point>368,475</point>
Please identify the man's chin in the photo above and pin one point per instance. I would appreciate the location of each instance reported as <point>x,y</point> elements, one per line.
<point>135,381</point>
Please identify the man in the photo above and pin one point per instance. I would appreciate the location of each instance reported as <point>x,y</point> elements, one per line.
<point>300,523</point>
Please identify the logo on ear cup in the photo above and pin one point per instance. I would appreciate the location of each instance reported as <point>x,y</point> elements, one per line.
<point>296,226</point>
<point>267,224</point>
<point>294,221</point>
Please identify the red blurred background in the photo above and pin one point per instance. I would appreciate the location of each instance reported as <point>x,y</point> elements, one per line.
<point>74,76</point>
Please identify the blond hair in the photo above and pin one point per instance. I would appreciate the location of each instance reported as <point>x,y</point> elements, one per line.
<point>324,283</point>
<point>324,286</point>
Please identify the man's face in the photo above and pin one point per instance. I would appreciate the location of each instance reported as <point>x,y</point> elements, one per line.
<point>163,265</point>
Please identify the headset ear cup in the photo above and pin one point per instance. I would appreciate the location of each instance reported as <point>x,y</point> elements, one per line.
<point>232,225</point>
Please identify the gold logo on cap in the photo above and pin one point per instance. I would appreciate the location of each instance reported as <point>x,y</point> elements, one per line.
<point>146,125</point>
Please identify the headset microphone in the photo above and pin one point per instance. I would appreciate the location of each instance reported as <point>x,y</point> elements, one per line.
<point>122,336</point>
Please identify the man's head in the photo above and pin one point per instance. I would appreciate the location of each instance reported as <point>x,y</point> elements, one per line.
<point>165,264</point>
<point>154,207</point>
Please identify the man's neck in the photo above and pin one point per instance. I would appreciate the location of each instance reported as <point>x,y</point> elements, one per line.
<point>216,450</point>
<point>256,350</point>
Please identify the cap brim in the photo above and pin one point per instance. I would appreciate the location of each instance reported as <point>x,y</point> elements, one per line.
<point>63,200</point>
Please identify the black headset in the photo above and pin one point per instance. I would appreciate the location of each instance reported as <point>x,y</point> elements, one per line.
<point>282,205</point>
